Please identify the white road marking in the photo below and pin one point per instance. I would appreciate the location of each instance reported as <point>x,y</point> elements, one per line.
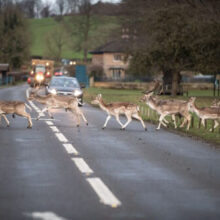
<point>103,192</point>
<point>54,129</point>
<point>49,122</point>
<point>61,137</point>
<point>105,195</point>
<point>82,165</point>
<point>70,149</point>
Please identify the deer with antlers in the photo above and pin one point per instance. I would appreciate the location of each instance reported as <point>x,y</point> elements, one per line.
<point>205,112</point>
<point>15,108</point>
<point>168,107</point>
<point>119,108</point>
<point>58,102</point>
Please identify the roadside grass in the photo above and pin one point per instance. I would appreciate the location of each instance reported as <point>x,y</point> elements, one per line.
<point>133,96</point>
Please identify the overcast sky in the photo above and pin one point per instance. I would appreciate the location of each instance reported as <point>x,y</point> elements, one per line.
<point>114,1</point>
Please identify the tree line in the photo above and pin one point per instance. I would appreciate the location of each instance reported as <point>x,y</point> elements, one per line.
<point>171,36</point>
<point>165,36</point>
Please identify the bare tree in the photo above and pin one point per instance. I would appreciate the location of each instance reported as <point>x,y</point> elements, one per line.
<point>61,6</point>
<point>72,6</point>
<point>45,12</point>
<point>55,41</point>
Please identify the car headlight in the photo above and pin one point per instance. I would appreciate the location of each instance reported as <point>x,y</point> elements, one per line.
<point>39,77</point>
<point>77,93</point>
<point>52,91</point>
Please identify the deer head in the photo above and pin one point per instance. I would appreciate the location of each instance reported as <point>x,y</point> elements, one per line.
<point>97,99</point>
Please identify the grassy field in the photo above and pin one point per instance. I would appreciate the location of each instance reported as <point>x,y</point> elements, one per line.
<point>133,96</point>
<point>40,28</point>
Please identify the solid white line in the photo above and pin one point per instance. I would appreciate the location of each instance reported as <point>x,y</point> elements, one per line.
<point>82,165</point>
<point>70,149</point>
<point>105,195</point>
<point>54,129</point>
<point>61,137</point>
<point>49,122</point>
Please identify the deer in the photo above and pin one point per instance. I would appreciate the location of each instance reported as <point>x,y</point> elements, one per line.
<point>205,112</point>
<point>58,102</point>
<point>168,107</point>
<point>15,108</point>
<point>119,108</point>
<point>215,104</point>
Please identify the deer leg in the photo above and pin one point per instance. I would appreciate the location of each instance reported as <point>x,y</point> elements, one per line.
<point>106,121</point>
<point>174,120</point>
<point>161,122</point>
<point>77,116</point>
<point>189,121</point>
<point>215,125</point>
<point>42,111</point>
<point>128,121</point>
<point>26,115</point>
<point>138,117</point>
<point>49,113</point>
<point>118,120</point>
<point>84,118</point>
<point>167,122</point>
<point>203,121</point>
<point>6,120</point>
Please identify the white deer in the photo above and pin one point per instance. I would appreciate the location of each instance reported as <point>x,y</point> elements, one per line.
<point>119,108</point>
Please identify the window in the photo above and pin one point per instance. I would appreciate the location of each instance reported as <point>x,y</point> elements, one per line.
<point>116,74</point>
<point>117,57</point>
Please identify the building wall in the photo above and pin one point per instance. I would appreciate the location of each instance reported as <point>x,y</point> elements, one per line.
<point>97,59</point>
<point>108,62</point>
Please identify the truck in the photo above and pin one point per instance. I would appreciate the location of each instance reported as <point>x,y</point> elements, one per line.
<point>41,72</point>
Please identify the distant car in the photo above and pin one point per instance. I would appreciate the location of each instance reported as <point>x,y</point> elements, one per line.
<point>61,72</point>
<point>65,86</point>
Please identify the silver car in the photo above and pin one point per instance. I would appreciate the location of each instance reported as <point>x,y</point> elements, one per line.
<point>62,85</point>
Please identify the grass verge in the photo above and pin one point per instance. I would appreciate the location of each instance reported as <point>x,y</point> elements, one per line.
<point>133,96</point>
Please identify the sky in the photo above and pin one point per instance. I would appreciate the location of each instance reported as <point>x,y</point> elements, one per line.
<point>113,1</point>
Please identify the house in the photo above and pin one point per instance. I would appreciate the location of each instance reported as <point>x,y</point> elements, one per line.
<point>111,57</point>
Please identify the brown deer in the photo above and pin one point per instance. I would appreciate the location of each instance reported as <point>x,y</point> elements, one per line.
<point>15,108</point>
<point>119,108</point>
<point>215,104</point>
<point>59,102</point>
<point>205,112</point>
<point>168,107</point>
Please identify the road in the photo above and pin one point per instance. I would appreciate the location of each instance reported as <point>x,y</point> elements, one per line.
<point>58,171</point>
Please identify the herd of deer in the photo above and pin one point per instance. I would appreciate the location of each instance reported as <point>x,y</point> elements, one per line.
<point>172,107</point>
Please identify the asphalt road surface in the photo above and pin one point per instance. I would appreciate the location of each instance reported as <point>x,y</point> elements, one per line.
<point>56,171</point>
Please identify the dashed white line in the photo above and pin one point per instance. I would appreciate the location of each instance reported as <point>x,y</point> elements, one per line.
<point>49,122</point>
<point>70,149</point>
<point>105,195</point>
<point>82,165</point>
<point>54,129</point>
<point>61,137</point>
<point>103,192</point>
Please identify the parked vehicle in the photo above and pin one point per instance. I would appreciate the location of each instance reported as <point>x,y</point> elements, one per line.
<point>41,72</point>
<point>61,72</point>
<point>63,85</point>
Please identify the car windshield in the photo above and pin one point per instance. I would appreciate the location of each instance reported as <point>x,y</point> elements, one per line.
<point>40,69</point>
<point>63,82</point>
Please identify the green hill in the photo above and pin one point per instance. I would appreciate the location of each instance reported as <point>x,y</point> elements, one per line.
<point>40,28</point>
